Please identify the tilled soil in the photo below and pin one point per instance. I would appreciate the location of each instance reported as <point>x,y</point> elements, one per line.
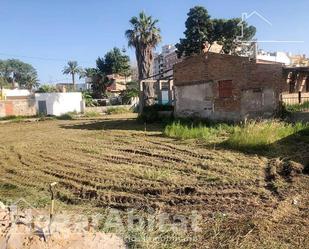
<point>114,163</point>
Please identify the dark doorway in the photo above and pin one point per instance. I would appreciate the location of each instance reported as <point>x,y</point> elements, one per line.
<point>42,107</point>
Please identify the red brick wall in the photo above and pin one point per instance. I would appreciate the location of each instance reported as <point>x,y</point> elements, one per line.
<point>244,74</point>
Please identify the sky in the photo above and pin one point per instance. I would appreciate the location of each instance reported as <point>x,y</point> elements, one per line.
<point>48,33</point>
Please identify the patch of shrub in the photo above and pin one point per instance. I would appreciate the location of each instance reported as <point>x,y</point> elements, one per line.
<point>151,114</point>
<point>117,110</point>
<point>8,186</point>
<point>92,114</point>
<point>88,98</point>
<point>297,107</point>
<point>126,95</point>
<point>183,131</point>
<point>66,116</point>
<point>45,118</point>
<point>13,118</point>
<point>47,89</point>
<point>260,135</point>
<point>252,136</point>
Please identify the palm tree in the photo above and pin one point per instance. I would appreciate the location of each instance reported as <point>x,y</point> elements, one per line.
<point>144,36</point>
<point>72,68</point>
<point>31,82</point>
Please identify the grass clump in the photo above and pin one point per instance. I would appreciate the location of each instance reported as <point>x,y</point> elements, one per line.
<point>200,131</point>
<point>117,110</point>
<point>66,116</point>
<point>14,118</point>
<point>183,131</point>
<point>252,136</point>
<point>260,135</point>
<point>92,114</point>
<point>298,107</point>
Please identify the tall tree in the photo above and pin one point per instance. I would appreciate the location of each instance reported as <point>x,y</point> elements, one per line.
<point>201,30</point>
<point>114,62</point>
<point>88,72</point>
<point>198,32</point>
<point>144,36</point>
<point>31,82</point>
<point>16,72</point>
<point>234,32</point>
<point>99,81</point>
<point>73,69</point>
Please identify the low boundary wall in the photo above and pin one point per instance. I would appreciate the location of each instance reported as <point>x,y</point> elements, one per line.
<point>18,107</point>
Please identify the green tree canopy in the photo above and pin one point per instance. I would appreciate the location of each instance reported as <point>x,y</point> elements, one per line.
<point>201,30</point>
<point>114,62</point>
<point>99,81</point>
<point>89,72</point>
<point>31,82</point>
<point>16,72</point>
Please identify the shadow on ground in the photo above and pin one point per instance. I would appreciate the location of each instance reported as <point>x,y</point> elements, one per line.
<point>115,124</point>
<point>294,147</point>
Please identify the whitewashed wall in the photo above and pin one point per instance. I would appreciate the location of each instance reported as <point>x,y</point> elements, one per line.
<point>60,103</point>
<point>16,92</point>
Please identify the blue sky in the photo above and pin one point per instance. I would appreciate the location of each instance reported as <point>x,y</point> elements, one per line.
<point>49,33</point>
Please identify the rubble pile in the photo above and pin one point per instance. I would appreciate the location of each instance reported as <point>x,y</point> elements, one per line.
<point>23,230</point>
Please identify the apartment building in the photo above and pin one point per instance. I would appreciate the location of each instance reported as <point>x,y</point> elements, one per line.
<point>164,62</point>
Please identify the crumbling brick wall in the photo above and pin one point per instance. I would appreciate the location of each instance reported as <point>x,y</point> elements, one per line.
<point>225,87</point>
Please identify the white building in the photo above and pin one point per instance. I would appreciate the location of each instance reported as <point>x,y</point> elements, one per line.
<point>14,93</point>
<point>77,87</point>
<point>280,57</point>
<point>59,103</point>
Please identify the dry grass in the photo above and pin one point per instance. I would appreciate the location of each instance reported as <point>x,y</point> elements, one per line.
<point>113,162</point>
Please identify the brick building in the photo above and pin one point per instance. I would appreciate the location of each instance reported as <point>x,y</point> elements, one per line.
<point>225,87</point>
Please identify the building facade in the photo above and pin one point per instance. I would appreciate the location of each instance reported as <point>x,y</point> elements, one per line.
<point>158,66</point>
<point>225,87</point>
<point>164,62</point>
<point>280,57</point>
<point>118,84</point>
<point>299,60</point>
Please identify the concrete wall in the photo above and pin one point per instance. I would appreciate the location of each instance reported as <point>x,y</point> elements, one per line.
<point>255,87</point>
<point>18,107</point>
<point>60,103</point>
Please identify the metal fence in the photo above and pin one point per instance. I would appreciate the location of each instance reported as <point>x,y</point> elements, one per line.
<point>296,102</point>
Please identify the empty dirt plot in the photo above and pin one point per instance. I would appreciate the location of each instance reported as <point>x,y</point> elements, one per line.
<point>114,163</point>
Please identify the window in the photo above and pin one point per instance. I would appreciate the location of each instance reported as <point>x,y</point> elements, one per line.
<point>225,88</point>
<point>307,84</point>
